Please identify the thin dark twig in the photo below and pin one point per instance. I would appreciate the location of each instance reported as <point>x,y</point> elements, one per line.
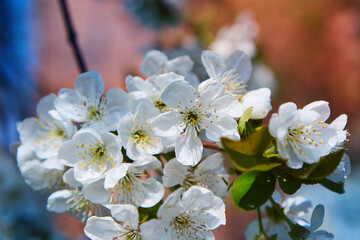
<point>72,36</point>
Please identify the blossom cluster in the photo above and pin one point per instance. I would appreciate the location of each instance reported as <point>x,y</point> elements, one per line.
<point>131,164</point>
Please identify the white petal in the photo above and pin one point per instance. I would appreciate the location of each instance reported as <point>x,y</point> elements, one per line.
<point>57,201</point>
<point>240,61</point>
<point>181,65</point>
<point>219,126</point>
<point>260,101</point>
<point>100,228</point>
<point>153,192</point>
<point>96,193</point>
<point>116,173</point>
<point>213,63</point>
<point>89,86</point>
<point>317,217</point>
<point>174,173</point>
<point>152,62</point>
<point>138,84</point>
<point>69,105</point>
<point>321,107</point>
<point>69,179</point>
<point>179,94</point>
<point>166,124</point>
<point>215,96</point>
<point>44,105</point>
<point>188,147</point>
<point>126,213</point>
<point>153,230</point>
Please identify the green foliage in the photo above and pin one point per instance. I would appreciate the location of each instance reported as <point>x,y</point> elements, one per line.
<point>246,155</point>
<point>289,186</point>
<point>332,186</point>
<point>244,119</point>
<point>252,189</point>
<point>313,173</point>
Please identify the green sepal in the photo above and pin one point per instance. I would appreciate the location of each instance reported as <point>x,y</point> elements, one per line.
<point>332,186</point>
<point>244,119</point>
<point>252,189</point>
<point>313,173</point>
<point>246,155</point>
<point>289,186</point>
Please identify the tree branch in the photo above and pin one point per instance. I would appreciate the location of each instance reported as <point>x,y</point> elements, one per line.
<point>72,36</point>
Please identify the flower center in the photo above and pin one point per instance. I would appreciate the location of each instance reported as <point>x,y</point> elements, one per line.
<point>186,226</point>
<point>127,190</point>
<point>80,207</point>
<point>302,137</point>
<point>141,135</point>
<point>96,113</point>
<point>129,233</point>
<point>193,118</point>
<point>98,155</point>
<point>231,81</point>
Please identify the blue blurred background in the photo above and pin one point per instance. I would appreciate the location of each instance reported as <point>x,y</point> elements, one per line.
<point>303,50</point>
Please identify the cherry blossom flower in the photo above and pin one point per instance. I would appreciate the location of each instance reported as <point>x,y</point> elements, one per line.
<point>191,113</point>
<point>45,134</point>
<point>156,62</point>
<point>91,154</point>
<point>86,104</point>
<point>209,173</point>
<point>302,135</point>
<point>99,228</point>
<point>127,184</point>
<point>193,215</point>
<point>153,87</point>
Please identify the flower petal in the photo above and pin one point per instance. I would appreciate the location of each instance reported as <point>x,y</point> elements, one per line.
<point>89,86</point>
<point>188,147</point>
<point>213,63</point>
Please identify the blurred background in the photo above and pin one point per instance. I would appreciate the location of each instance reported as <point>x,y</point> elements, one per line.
<point>303,50</point>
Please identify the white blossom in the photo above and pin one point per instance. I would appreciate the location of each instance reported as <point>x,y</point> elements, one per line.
<point>85,104</point>
<point>234,74</point>
<point>45,134</point>
<point>209,173</point>
<point>193,215</point>
<point>302,135</point>
<point>137,135</point>
<point>91,154</point>
<point>39,173</point>
<point>100,228</point>
<point>156,62</point>
<point>127,184</point>
<point>191,113</point>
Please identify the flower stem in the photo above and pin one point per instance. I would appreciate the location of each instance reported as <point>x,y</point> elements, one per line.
<point>72,36</point>
<point>261,228</point>
<point>281,213</point>
<point>211,146</point>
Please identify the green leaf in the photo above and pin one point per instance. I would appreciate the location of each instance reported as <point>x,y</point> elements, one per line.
<point>313,173</point>
<point>246,155</point>
<point>332,186</point>
<point>244,118</point>
<point>252,189</point>
<point>255,145</point>
<point>289,186</point>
